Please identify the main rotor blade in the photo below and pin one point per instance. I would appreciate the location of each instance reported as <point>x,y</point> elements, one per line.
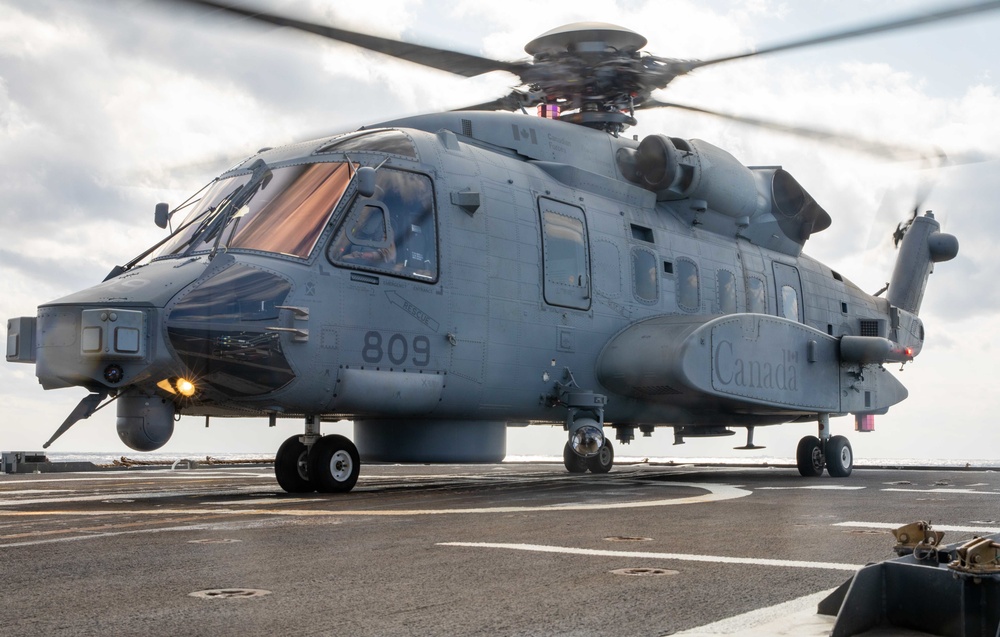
<point>451,61</point>
<point>926,17</point>
<point>506,103</point>
<point>513,101</point>
<point>844,140</point>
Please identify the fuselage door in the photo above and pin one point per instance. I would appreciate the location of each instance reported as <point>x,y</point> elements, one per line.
<point>566,254</point>
<point>788,292</point>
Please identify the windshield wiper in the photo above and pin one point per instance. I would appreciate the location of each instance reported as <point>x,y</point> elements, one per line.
<point>259,180</point>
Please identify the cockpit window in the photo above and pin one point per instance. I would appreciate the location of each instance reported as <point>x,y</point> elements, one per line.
<point>393,231</point>
<point>282,210</point>
<point>384,141</point>
<point>200,213</point>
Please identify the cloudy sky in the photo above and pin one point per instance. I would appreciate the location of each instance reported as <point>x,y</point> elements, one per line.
<point>107,107</point>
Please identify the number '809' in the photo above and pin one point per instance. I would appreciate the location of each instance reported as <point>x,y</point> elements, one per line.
<point>397,349</point>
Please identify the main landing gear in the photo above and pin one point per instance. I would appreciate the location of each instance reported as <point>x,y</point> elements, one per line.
<point>587,448</point>
<point>331,464</point>
<point>599,463</point>
<point>833,453</point>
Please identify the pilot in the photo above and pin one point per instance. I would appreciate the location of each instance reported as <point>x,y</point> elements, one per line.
<point>356,245</point>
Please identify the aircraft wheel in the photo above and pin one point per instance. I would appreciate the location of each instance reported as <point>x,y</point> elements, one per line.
<point>574,463</point>
<point>839,457</point>
<point>291,467</point>
<point>334,464</point>
<point>809,457</point>
<point>604,460</point>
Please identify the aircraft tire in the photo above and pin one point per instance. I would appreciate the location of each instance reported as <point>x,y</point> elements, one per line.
<point>809,457</point>
<point>839,457</point>
<point>334,464</point>
<point>604,460</point>
<point>291,467</point>
<point>573,462</point>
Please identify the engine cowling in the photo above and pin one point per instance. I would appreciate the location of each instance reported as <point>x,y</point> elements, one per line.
<point>765,205</point>
<point>676,168</point>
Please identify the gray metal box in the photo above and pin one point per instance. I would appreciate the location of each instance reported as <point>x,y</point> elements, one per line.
<point>21,339</point>
<point>113,333</point>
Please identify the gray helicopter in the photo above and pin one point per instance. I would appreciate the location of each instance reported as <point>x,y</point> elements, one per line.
<point>439,278</point>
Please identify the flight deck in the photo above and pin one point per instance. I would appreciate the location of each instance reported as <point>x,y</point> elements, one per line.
<point>504,549</point>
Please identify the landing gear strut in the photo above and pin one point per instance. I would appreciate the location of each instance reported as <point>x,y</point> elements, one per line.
<point>831,452</point>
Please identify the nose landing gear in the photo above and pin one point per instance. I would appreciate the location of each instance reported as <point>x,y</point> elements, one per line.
<point>328,464</point>
<point>291,466</point>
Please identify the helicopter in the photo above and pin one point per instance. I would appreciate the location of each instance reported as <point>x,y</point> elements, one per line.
<point>465,271</point>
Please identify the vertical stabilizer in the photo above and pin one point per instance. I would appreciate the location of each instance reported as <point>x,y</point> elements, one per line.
<point>922,246</point>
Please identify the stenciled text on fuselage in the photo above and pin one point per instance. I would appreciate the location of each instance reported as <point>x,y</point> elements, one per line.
<point>732,369</point>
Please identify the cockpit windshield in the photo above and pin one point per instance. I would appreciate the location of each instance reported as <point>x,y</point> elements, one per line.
<point>283,210</point>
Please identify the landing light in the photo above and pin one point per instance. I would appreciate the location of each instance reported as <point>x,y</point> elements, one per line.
<point>185,387</point>
<point>181,386</point>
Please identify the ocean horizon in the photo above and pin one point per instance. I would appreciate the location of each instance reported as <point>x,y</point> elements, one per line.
<point>167,458</point>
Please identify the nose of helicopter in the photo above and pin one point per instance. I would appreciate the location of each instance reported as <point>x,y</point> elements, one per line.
<point>164,338</point>
<point>103,338</point>
<point>164,323</point>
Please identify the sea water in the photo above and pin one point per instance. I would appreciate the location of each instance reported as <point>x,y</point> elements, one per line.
<point>107,458</point>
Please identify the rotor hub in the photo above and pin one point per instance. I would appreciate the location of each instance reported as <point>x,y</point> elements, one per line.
<point>585,37</point>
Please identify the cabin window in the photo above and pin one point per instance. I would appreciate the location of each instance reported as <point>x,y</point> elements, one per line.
<point>687,285</point>
<point>725,286</point>
<point>566,259</point>
<point>788,290</point>
<point>789,303</point>
<point>644,283</point>
<point>756,296</point>
<point>393,231</point>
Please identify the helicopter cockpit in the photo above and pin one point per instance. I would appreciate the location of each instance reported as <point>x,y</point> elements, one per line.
<point>285,210</point>
<point>220,327</point>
